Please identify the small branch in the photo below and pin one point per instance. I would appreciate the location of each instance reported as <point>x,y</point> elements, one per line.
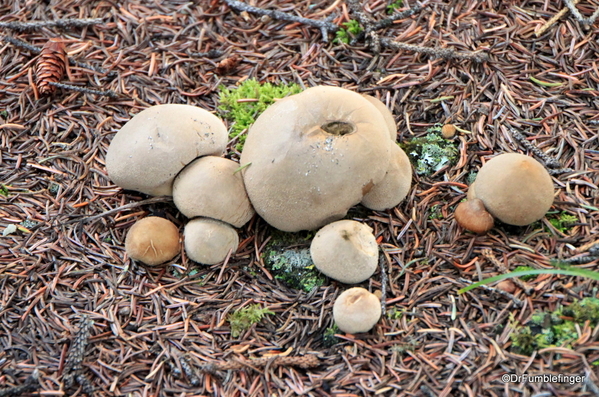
<point>487,253</point>
<point>108,93</point>
<point>153,200</point>
<point>383,260</point>
<point>73,369</point>
<point>61,23</point>
<point>516,301</point>
<point>446,53</point>
<point>209,54</point>
<point>189,372</point>
<point>31,384</point>
<point>384,23</point>
<point>549,161</point>
<point>308,361</point>
<point>553,20</point>
<point>325,26</point>
<point>582,20</point>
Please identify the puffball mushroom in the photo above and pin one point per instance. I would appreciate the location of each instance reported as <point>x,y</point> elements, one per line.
<point>211,187</point>
<point>312,156</point>
<point>151,148</point>
<point>152,240</point>
<point>345,251</point>
<point>209,241</point>
<point>473,216</point>
<point>356,310</point>
<point>514,188</point>
<point>387,115</point>
<point>395,186</point>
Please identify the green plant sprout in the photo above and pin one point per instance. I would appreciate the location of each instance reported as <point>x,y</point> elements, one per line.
<point>435,212</point>
<point>3,190</point>
<point>557,328</point>
<point>395,314</point>
<point>242,319</point>
<point>432,152</point>
<point>329,339</point>
<point>349,30</point>
<point>393,7</point>
<point>564,221</point>
<point>235,108</point>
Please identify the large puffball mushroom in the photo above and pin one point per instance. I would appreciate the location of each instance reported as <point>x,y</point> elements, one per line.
<point>473,216</point>
<point>345,251</point>
<point>209,241</point>
<point>356,310</point>
<point>395,186</point>
<point>152,240</point>
<point>211,187</point>
<point>151,148</point>
<point>387,115</point>
<point>312,156</point>
<point>514,188</point>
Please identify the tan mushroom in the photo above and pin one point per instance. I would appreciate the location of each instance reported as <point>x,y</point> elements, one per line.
<point>389,119</point>
<point>151,148</point>
<point>211,187</point>
<point>345,251</point>
<point>312,156</point>
<point>209,241</point>
<point>473,216</point>
<point>395,186</point>
<point>356,310</point>
<point>152,240</point>
<point>514,188</point>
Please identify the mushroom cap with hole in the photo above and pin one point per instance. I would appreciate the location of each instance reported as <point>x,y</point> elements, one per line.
<point>516,189</point>
<point>212,187</point>
<point>389,119</point>
<point>395,186</point>
<point>151,148</point>
<point>312,156</point>
<point>472,215</point>
<point>345,251</point>
<point>356,310</point>
<point>153,240</point>
<point>209,241</point>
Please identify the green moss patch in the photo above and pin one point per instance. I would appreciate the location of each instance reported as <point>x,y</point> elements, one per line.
<point>242,319</point>
<point>432,152</point>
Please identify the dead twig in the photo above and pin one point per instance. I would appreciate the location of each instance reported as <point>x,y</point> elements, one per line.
<point>487,253</point>
<point>549,161</point>
<point>308,361</point>
<point>68,23</point>
<point>586,22</point>
<point>383,260</point>
<point>189,372</point>
<point>73,369</point>
<point>31,384</point>
<point>554,19</point>
<point>153,200</point>
<point>85,90</point>
<point>445,53</point>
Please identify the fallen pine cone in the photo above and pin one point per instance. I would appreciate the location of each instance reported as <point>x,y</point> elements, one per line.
<point>51,66</point>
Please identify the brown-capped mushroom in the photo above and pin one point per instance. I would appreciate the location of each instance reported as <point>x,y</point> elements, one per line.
<point>514,188</point>
<point>356,310</point>
<point>209,241</point>
<point>152,240</point>
<point>472,215</point>
<point>388,116</point>
<point>151,148</point>
<point>211,187</point>
<point>345,251</point>
<point>395,186</point>
<point>312,156</point>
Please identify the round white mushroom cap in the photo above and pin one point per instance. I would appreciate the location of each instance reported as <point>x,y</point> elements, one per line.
<point>209,241</point>
<point>151,148</point>
<point>356,310</point>
<point>312,156</point>
<point>152,240</point>
<point>389,119</point>
<point>345,251</point>
<point>211,187</point>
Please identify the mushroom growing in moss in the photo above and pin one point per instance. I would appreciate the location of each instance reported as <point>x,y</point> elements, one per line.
<point>345,251</point>
<point>152,240</point>
<point>356,310</point>
<point>514,188</point>
<point>209,241</point>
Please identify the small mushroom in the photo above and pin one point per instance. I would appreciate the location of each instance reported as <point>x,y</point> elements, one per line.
<point>395,186</point>
<point>514,188</point>
<point>345,251</point>
<point>312,156</point>
<point>209,241</point>
<point>152,240</point>
<point>389,119</point>
<point>472,215</point>
<point>151,148</point>
<point>211,187</point>
<point>356,310</point>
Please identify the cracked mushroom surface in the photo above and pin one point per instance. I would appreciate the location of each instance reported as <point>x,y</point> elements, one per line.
<point>356,310</point>
<point>514,188</point>
<point>313,155</point>
<point>211,187</point>
<point>150,149</point>
<point>345,251</point>
<point>153,240</point>
<point>209,241</point>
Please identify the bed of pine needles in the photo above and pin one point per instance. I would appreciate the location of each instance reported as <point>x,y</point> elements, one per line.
<point>78,318</point>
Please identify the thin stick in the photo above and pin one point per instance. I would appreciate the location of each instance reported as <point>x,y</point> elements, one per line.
<point>382,262</point>
<point>153,200</point>
<point>516,301</point>
<point>61,23</point>
<point>31,384</point>
<point>487,253</point>
<point>582,20</point>
<point>108,93</point>
<point>73,367</point>
<point>549,161</point>
<point>383,23</point>
<point>445,53</point>
<point>209,54</point>
<point>189,372</point>
<point>325,26</point>
<point>553,20</point>
<point>307,361</point>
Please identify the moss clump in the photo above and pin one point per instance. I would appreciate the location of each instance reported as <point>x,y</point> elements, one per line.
<point>287,255</point>
<point>243,319</point>
<point>350,29</point>
<point>432,152</point>
<point>557,328</point>
<point>328,338</point>
<point>394,6</point>
<point>563,222</point>
<point>242,114</point>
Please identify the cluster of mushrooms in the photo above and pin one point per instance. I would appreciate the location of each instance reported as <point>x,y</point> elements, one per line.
<point>307,160</point>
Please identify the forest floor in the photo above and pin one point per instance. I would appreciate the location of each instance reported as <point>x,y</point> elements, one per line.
<point>164,331</point>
